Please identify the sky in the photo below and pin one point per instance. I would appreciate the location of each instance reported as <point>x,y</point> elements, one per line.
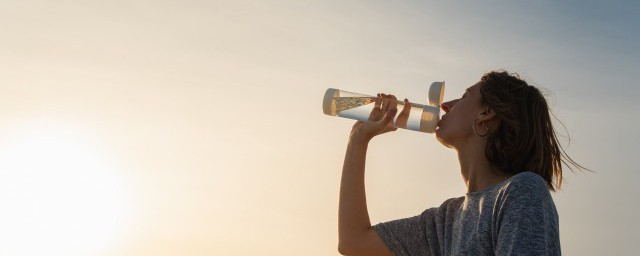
<point>196,127</point>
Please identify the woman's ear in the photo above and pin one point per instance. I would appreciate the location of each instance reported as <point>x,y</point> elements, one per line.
<point>486,114</point>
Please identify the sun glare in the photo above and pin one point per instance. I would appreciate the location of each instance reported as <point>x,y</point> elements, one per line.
<point>58,195</point>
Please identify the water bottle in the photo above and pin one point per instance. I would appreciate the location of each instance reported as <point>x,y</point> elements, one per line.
<point>422,118</point>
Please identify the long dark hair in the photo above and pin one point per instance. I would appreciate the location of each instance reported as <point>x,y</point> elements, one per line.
<point>525,140</point>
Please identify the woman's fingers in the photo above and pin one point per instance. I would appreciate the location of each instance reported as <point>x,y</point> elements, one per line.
<point>384,110</point>
<point>403,117</point>
<point>376,112</point>
<point>378,101</point>
<point>385,102</point>
<point>381,119</point>
<point>392,102</point>
<point>391,109</point>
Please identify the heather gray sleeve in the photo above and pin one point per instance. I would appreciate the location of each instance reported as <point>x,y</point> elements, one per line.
<point>418,235</point>
<point>527,220</point>
<point>407,236</point>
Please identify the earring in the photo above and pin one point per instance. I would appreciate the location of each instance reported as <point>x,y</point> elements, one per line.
<point>486,128</point>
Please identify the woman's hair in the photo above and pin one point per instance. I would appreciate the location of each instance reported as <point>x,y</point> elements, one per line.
<point>525,139</point>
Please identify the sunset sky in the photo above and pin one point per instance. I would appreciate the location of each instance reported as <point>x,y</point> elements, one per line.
<point>196,128</point>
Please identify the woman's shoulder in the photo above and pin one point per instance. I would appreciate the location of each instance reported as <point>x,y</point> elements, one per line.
<point>525,184</point>
<point>525,194</point>
<point>526,180</point>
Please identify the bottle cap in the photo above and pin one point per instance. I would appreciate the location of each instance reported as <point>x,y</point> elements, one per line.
<point>431,111</point>
<point>436,92</point>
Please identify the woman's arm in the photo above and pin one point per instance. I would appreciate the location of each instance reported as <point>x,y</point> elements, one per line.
<point>356,236</point>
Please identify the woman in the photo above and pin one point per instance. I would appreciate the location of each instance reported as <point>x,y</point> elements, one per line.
<point>509,159</point>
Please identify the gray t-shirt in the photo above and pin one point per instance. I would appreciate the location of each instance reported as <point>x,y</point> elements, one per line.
<point>514,217</point>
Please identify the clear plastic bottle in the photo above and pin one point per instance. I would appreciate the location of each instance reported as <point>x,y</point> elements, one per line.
<point>423,118</point>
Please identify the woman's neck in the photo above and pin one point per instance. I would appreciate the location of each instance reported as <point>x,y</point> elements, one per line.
<point>478,173</point>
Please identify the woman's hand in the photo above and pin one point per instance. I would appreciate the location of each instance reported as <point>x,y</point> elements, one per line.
<point>381,118</point>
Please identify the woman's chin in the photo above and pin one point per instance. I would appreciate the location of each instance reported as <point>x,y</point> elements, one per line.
<point>441,138</point>
<point>438,133</point>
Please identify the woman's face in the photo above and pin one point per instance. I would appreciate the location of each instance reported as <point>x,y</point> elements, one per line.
<point>454,127</point>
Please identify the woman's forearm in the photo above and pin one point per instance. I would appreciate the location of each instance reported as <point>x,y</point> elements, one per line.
<point>356,236</point>
<point>353,216</point>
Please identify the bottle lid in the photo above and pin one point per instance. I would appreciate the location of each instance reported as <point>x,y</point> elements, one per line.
<point>431,111</point>
<point>436,93</point>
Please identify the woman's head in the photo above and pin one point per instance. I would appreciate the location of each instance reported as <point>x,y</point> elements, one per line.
<point>513,119</point>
